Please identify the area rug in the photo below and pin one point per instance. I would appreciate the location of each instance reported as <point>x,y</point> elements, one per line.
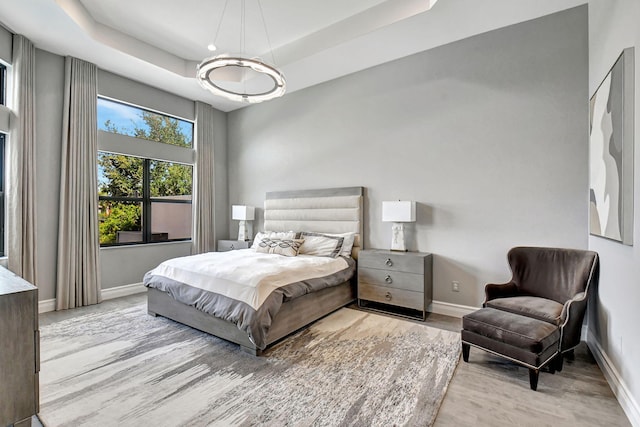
<point>126,368</point>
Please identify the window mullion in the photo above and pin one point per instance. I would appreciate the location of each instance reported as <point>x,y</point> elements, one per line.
<point>146,204</point>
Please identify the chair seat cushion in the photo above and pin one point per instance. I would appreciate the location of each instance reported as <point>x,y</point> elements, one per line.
<point>522,332</point>
<point>535,307</point>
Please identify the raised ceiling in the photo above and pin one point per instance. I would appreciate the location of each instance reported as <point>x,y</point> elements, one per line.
<point>160,42</point>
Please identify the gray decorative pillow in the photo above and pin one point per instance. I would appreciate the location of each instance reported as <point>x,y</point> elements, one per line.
<point>286,247</point>
<point>321,244</point>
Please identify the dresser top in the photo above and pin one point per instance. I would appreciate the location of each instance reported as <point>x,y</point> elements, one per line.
<point>388,252</point>
<point>10,283</point>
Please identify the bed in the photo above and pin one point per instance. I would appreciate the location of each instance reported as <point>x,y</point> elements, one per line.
<point>335,210</point>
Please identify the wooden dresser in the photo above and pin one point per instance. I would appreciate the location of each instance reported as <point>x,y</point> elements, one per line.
<point>399,282</point>
<point>19,350</point>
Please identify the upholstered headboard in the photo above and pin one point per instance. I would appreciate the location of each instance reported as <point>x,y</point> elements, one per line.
<point>330,210</point>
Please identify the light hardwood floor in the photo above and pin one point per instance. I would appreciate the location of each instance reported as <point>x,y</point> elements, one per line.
<point>489,391</point>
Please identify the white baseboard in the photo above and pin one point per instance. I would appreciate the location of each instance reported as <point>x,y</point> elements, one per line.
<point>616,382</point>
<point>123,291</point>
<point>448,309</point>
<point>47,305</point>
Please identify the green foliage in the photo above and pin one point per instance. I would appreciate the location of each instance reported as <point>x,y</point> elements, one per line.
<point>123,175</point>
<point>170,179</point>
<point>118,216</point>
<point>161,129</point>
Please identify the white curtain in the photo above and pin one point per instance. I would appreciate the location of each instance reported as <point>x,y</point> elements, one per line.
<point>203,185</point>
<point>21,198</point>
<point>78,281</point>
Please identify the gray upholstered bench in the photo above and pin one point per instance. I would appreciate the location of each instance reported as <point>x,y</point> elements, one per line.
<point>527,341</point>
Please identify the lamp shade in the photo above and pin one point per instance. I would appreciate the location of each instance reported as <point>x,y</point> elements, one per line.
<point>243,213</point>
<point>399,211</point>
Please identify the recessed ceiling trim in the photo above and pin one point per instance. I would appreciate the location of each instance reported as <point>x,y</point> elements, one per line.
<point>370,20</point>
<point>125,43</point>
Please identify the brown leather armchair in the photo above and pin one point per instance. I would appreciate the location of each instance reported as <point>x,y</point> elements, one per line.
<point>548,284</point>
<point>537,316</point>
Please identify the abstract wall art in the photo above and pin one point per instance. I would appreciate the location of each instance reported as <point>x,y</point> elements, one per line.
<point>611,153</point>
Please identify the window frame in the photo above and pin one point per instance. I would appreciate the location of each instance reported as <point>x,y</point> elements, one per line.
<point>3,138</point>
<point>149,151</point>
<point>146,200</point>
<point>3,84</point>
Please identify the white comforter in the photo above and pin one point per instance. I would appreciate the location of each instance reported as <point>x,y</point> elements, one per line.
<point>246,275</point>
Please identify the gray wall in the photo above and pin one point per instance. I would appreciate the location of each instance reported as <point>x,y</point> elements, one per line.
<point>6,45</point>
<point>614,318</point>
<point>487,134</point>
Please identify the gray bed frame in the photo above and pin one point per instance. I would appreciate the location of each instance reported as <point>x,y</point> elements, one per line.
<point>324,211</point>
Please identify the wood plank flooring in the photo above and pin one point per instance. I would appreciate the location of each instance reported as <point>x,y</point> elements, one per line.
<point>489,391</point>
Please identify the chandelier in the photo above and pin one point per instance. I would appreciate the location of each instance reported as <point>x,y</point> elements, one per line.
<point>218,73</point>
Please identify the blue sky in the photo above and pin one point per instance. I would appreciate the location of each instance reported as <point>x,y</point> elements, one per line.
<point>126,118</point>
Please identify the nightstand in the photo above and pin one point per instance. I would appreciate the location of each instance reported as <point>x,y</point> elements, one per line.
<point>397,282</point>
<point>229,245</point>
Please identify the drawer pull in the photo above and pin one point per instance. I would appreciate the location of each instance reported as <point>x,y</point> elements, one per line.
<point>387,296</point>
<point>388,279</point>
<point>232,247</point>
<point>389,262</point>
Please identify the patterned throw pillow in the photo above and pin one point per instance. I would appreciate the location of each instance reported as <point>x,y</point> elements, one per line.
<point>286,247</point>
<point>273,235</point>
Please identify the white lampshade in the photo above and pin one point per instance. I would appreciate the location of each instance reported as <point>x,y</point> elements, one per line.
<point>399,211</point>
<point>243,213</point>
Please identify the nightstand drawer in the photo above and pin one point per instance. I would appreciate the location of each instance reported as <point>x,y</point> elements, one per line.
<point>392,296</point>
<point>392,279</point>
<point>385,260</point>
<point>229,245</point>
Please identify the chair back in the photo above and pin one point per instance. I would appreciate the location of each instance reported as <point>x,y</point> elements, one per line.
<point>553,273</point>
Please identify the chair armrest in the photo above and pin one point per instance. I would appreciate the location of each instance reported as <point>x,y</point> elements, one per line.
<point>572,317</point>
<point>504,290</point>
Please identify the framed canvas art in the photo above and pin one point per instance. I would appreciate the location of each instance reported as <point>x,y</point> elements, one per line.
<point>611,153</point>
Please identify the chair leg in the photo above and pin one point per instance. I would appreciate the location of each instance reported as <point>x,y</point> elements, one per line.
<point>533,378</point>
<point>559,361</point>
<point>570,355</point>
<point>465,352</point>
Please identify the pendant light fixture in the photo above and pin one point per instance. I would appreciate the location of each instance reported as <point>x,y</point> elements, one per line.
<point>213,73</point>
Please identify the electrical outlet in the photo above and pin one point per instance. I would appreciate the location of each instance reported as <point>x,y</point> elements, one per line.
<point>455,286</point>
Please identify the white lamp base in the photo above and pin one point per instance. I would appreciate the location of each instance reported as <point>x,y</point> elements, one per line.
<point>397,237</point>
<point>243,231</point>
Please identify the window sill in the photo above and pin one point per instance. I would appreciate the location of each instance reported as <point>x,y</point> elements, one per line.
<point>142,245</point>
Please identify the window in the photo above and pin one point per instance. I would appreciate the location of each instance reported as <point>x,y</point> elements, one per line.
<point>125,119</point>
<point>141,199</point>
<point>2,216</point>
<point>3,85</point>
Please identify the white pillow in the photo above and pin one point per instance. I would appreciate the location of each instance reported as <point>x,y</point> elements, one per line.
<point>347,245</point>
<point>272,235</point>
<point>321,244</point>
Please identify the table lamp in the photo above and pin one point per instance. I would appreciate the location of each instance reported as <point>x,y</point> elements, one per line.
<point>398,213</point>
<point>245,214</point>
